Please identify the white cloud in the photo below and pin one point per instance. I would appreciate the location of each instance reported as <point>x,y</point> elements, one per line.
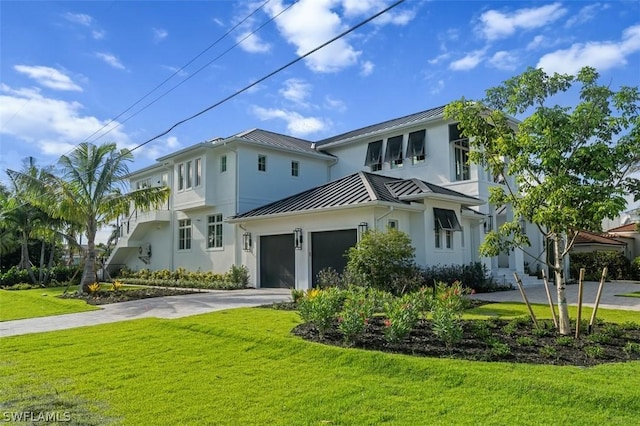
<point>48,77</point>
<point>98,34</point>
<point>308,24</point>
<point>296,90</point>
<point>297,124</point>
<point>175,70</point>
<point>252,43</point>
<point>218,22</point>
<point>536,42</point>
<point>437,88</point>
<point>159,34</point>
<point>111,60</point>
<point>469,62</point>
<point>79,18</point>
<point>503,60</point>
<point>585,14</point>
<point>495,25</point>
<point>600,55</point>
<point>160,147</point>
<point>357,8</point>
<point>366,68</point>
<point>439,58</point>
<point>334,104</point>
<point>54,126</point>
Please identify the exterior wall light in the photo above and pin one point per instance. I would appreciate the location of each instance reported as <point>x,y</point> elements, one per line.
<point>363,227</point>
<point>297,238</point>
<point>246,241</point>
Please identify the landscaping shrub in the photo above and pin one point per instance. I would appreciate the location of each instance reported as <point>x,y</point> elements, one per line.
<point>357,310</point>
<point>385,261</point>
<point>446,312</point>
<point>619,267</point>
<point>57,275</point>
<point>473,275</point>
<point>402,316</point>
<point>321,307</point>
<point>236,278</point>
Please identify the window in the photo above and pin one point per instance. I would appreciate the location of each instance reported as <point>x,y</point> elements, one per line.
<point>146,183</point>
<point>447,221</point>
<point>262,163</point>
<point>223,164</point>
<point>188,174</point>
<point>198,172</point>
<point>460,153</point>
<point>392,224</point>
<point>180,177</point>
<point>295,168</point>
<point>394,152</point>
<point>416,147</point>
<point>214,231</point>
<point>165,179</point>
<point>374,156</point>
<point>184,234</point>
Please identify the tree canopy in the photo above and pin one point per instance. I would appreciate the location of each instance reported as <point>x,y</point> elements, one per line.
<point>566,168</point>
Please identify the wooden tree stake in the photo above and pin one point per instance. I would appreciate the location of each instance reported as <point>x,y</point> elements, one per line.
<point>579,317</point>
<point>551,306</point>
<point>526,301</point>
<point>597,302</point>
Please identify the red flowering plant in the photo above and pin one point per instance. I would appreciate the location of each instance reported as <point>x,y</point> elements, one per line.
<point>358,309</point>
<point>402,316</point>
<point>446,312</point>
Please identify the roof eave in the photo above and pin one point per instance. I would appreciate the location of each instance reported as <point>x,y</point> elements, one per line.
<point>465,201</point>
<point>238,139</point>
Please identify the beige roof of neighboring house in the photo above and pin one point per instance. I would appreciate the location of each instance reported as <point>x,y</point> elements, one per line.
<point>629,227</point>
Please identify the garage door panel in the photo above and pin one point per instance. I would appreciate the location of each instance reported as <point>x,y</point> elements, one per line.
<point>328,250</point>
<point>277,261</point>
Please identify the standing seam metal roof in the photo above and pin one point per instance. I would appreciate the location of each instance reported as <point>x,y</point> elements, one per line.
<point>408,119</point>
<point>276,140</point>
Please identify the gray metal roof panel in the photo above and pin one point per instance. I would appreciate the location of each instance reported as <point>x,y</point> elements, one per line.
<point>353,189</point>
<point>278,140</point>
<point>416,187</point>
<point>396,122</point>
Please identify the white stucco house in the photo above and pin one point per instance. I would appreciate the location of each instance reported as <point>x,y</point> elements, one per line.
<point>287,208</point>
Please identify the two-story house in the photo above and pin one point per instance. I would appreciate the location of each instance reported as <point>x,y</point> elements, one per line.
<point>287,208</point>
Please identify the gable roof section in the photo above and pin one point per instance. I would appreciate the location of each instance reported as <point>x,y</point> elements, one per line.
<point>407,189</point>
<point>385,125</point>
<point>585,237</point>
<point>629,227</point>
<point>352,190</point>
<point>275,140</point>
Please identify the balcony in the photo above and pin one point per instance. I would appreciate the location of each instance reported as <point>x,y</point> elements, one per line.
<point>151,216</point>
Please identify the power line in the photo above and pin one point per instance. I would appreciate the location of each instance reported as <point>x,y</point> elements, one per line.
<point>269,75</point>
<point>198,70</point>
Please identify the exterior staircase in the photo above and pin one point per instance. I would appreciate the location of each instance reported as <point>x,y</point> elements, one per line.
<point>505,276</point>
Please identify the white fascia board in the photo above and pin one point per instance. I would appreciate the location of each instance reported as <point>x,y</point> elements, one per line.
<point>239,140</point>
<point>465,201</point>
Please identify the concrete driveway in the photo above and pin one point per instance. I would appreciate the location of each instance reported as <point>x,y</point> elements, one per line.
<point>158,307</point>
<point>609,298</point>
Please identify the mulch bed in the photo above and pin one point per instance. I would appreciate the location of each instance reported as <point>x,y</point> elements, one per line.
<point>481,345</point>
<point>106,297</point>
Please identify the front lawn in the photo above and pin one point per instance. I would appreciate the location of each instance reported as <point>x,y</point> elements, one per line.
<point>633,294</point>
<point>38,302</point>
<point>244,366</point>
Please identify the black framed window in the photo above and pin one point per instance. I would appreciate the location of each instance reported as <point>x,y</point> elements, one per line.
<point>416,146</point>
<point>374,156</point>
<point>394,152</point>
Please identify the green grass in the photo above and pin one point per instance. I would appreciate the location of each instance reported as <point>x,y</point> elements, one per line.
<point>244,367</point>
<point>512,310</point>
<point>39,302</point>
<point>634,294</point>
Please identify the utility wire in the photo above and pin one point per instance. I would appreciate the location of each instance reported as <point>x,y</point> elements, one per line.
<point>198,70</point>
<point>222,37</point>
<point>271,74</point>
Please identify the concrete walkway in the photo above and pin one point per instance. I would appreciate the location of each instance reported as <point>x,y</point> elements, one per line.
<point>158,307</point>
<point>608,300</point>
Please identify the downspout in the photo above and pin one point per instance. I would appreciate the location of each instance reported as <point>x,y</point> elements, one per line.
<point>391,208</point>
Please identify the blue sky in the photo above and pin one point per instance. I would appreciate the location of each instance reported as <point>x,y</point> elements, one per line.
<point>68,68</point>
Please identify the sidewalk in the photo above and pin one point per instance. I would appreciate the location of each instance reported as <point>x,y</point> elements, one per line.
<point>158,307</point>
<point>608,300</point>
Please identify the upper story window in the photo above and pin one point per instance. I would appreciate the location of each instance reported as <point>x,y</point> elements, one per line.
<point>184,234</point>
<point>295,168</point>
<point>145,183</point>
<point>392,224</point>
<point>180,177</point>
<point>223,164</point>
<point>214,231</point>
<point>460,153</point>
<point>188,171</point>
<point>262,163</point>
<point>416,146</point>
<point>394,152</point>
<point>374,156</point>
<point>197,173</point>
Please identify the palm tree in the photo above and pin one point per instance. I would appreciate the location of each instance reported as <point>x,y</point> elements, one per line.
<point>89,191</point>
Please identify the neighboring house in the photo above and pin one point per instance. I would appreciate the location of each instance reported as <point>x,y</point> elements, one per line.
<point>286,208</point>
<point>587,242</point>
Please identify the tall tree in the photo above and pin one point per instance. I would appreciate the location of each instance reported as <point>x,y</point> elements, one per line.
<point>571,164</point>
<point>89,190</point>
